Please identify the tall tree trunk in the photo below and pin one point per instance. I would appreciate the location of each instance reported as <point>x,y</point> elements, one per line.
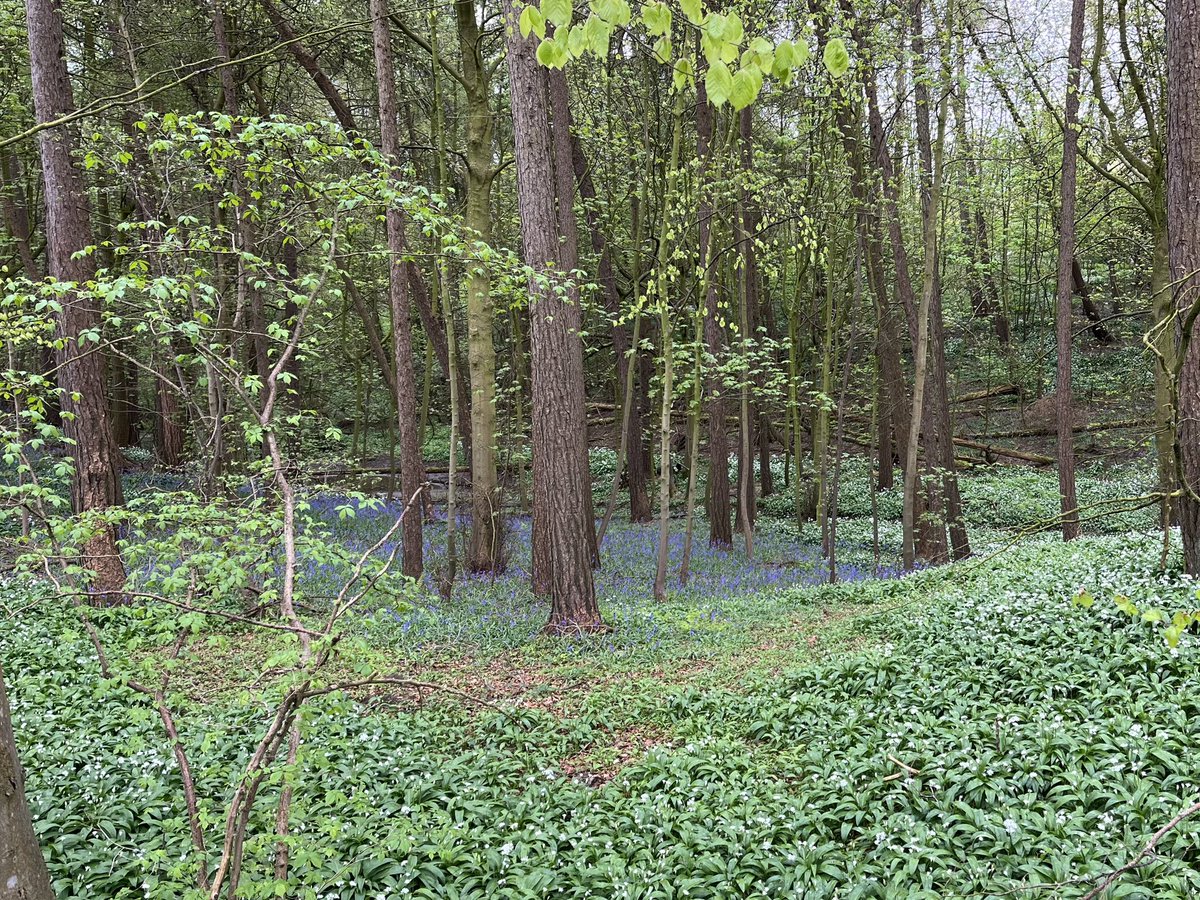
<point>1183,226</point>
<point>925,379</point>
<point>719,532</point>
<point>97,481</point>
<point>562,485</point>
<point>929,541</point>
<point>1163,305</point>
<point>23,874</point>
<point>168,430</point>
<point>942,489</point>
<point>747,222</point>
<point>568,259</point>
<point>1067,264</point>
<point>412,474</point>
<point>484,553</point>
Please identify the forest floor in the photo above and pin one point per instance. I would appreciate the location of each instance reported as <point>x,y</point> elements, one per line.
<point>965,731</point>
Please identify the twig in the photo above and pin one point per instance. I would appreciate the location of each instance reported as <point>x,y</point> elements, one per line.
<point>1136,862</point>
<point>907,768</point>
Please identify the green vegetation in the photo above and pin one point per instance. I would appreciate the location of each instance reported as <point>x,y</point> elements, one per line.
<point>964,731</point>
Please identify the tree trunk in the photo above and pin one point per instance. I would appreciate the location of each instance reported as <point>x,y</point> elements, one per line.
<point>23,873</point>
<point>942,486</point>
<point>1183,226</point>
<point>747,221</point>
<point>97,481</point>
<point>484,553</point>
<point>307,60</point>
<point>719,532</point>
<point>1162,302</point>
<point>929,540</point>
<point>1067,266</point>
<point>412,473</point>
<point>168,431</point>
<point>568,262</point>
<point>562,486</point>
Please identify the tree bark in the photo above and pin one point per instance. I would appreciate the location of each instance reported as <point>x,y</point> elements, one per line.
<point>562,486</point>
<point>23,874</point>
<point>1183,226</point>
<point>97,481</point>
<point>1162,302</point>
<point>747,223</point>
<point>568,260</point>
<point>940,454</point>
<point>1067,274</point>
<point>484,553</point>
<point>412,475</point>
<point>720,533</point>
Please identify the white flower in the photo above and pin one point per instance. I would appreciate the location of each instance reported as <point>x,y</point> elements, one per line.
<point>1011,826</point>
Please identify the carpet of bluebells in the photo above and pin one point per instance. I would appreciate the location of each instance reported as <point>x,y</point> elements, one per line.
<point>494,613</point>
<point>973,732</point>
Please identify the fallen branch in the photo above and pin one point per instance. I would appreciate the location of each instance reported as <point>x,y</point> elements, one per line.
<point>1136,862</point>
<point>1000,390</point>
<point>907,768</point>
<point>992,449</point>
<point>1077,429</point>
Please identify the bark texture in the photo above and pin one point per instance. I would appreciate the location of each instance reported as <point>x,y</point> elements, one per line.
<point>97,482</point>
<point>720,533</point>
<point>1183,225</point>
<point>23,873</point>
<point>561,484</point>
<point>1067,269</point>
<point>412,475</point>
<point>484,552</point>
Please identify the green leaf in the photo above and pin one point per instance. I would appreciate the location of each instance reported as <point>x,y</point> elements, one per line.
<point>577,41</point>
<point>784,60</point>
<point>693,10</point>
<point>662,49</point>
<point>837,58</point>
<point>614,12</point>
<point>532,21</point>
<point>684,73</point>
<point>657,18</point>
<point>557,12</point>
<point>718,82</point>
<point>1083,599</point>
<point>733,30</point>
<point>552,53</point>
<point>746,85</point>
<point>597,32</point>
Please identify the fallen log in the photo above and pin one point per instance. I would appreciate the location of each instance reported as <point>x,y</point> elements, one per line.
<point>1000,390</point>
<point>1078,429</point>
<point>993,450</point>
